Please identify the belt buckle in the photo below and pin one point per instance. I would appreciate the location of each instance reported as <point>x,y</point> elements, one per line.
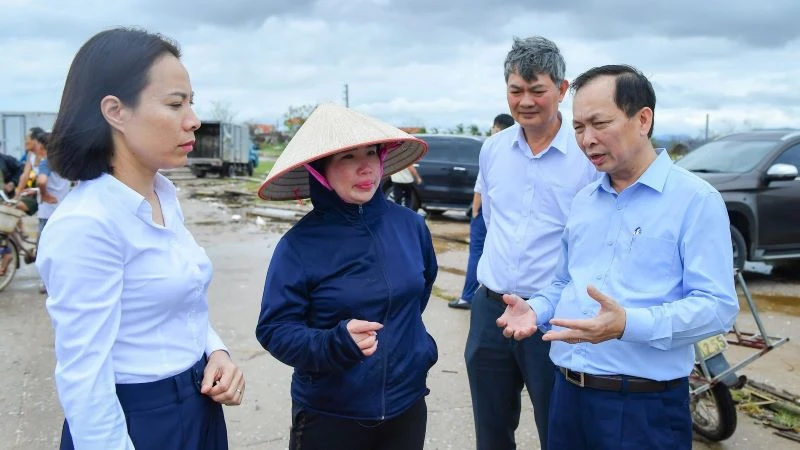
<point>579,381</point>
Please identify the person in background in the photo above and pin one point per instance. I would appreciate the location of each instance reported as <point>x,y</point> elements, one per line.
<point>52,190</point>
<point>138,364</point>
<point>11,170</point>
<point>347,286</point>
<point>529,174</point>
<point>645,271</point>
<point>477,230</point>
<point>402,189</point>
<point>25,192</point>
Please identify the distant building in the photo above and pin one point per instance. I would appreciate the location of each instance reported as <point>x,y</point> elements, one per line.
<point>266,133</point>
<point>413,130</point>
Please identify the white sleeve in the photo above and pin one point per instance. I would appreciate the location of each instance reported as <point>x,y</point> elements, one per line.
<point>486,201</point>
<point>81,261</point>
<point>214,342</point>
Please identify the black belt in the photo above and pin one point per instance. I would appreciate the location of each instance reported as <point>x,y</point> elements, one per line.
<point>496,295</point>
<point>618,383</point>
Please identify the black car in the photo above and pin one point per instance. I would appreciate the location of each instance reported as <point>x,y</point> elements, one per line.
<point>448,173</point>
<point>757,174</point>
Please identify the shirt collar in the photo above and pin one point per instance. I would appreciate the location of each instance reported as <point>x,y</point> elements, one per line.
<point>131,200</point>
<point>654,177</point>
<point>559,141</point>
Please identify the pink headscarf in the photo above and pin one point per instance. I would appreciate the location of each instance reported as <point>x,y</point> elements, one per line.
<point>383,150</point>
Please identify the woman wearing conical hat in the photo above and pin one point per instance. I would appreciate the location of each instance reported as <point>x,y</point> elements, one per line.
<point>347,286</point>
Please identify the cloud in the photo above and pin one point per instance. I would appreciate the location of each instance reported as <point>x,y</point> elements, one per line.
<point>420,62</point>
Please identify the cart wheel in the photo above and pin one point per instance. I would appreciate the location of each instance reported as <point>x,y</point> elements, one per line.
<point>713,411</point>
<point>11,270</point>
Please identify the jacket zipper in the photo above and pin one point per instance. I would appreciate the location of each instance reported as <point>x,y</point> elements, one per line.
<point>388,307</point>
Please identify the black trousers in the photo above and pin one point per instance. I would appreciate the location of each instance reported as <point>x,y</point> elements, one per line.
<point>315,431</point>
<point>403,194</point>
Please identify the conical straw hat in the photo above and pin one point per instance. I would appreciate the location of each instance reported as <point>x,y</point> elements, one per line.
<point>332,129</point>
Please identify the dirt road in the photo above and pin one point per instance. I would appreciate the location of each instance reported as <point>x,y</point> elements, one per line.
<point>240,250</point>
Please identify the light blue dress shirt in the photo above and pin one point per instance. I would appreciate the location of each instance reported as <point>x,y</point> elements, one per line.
<point>128,301</point>
<point>526,200</point>
<point>662,249</point>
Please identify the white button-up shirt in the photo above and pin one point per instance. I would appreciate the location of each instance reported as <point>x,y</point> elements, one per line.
<point>128,301</point>
<point>526,199</point>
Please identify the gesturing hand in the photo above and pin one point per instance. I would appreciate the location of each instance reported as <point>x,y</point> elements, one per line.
<point>518,320</point>
<point>609,323</point>
<point>365,335</point>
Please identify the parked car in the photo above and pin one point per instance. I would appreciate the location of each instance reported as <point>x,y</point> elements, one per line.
<point>757,174</point>
<point>448,173</point>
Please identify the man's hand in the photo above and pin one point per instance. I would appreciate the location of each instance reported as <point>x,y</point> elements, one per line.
<point>365,335</point>
<point>609,323</point>
<point>518,320</point>
<point>223,380</point>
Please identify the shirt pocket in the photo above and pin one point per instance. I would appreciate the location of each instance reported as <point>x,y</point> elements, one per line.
<point>650,264</point>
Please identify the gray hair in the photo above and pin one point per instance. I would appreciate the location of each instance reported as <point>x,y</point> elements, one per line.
<point>535,55</point>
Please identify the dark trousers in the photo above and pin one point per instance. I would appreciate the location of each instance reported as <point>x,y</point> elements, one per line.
<point>477,236</point>
<point>498,368</point>
<point>583,418</point>
<point>315,431</point>
<point>169,414</point>
<point>403,193</point>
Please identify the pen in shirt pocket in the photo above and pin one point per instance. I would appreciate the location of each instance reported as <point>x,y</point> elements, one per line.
<point>636,232</point>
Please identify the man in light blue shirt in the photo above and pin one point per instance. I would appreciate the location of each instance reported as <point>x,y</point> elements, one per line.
<point>646,270</point>
<point>529,174</point>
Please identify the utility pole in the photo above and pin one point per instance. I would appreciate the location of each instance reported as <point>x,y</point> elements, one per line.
<point>706,126</point>
<point>346,96</point>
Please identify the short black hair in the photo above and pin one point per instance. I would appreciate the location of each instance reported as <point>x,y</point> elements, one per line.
<point>632,90</point>
<point>113,62</point>
<point>36,133</point>
<point>42,138</point>
<point>503,121</point>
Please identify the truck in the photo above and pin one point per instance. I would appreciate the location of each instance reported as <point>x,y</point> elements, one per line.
<point>14,127</point>
<point>222,148</point>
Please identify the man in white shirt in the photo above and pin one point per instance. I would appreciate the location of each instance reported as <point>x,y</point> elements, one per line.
<point>529,174</point>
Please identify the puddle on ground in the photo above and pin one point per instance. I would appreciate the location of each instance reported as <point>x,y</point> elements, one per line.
<point>773,303</point>
<point>441,245</point>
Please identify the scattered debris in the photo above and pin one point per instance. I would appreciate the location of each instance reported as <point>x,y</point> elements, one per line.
<point>774,408</point>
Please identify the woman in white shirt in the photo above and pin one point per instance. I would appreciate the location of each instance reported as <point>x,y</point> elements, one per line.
<point>138,364</point>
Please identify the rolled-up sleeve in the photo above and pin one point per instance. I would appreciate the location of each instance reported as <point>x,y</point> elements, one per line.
<point>82,265</point>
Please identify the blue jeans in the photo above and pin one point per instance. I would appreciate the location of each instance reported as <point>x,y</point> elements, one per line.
<point>477,236</point>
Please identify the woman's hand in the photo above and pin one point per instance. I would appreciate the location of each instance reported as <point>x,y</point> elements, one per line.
<point>223,380</point>
<point>365,335</point>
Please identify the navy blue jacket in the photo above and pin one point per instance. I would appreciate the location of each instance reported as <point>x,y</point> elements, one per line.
<point>340,262</point>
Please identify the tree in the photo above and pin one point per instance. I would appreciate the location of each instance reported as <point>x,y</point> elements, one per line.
<point>474,130</point>
<point>296,116</point>
<point>222,111</point>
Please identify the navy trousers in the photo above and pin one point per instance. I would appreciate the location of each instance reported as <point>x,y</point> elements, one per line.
<point>498,368</point>
<point>583,419</point>
<point>169,414</point>
<point>477,236</point>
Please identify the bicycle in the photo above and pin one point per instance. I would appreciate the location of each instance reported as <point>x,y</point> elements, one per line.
<point>13,242</point>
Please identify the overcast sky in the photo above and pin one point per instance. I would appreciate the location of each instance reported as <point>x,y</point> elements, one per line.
<point>433,63</point>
